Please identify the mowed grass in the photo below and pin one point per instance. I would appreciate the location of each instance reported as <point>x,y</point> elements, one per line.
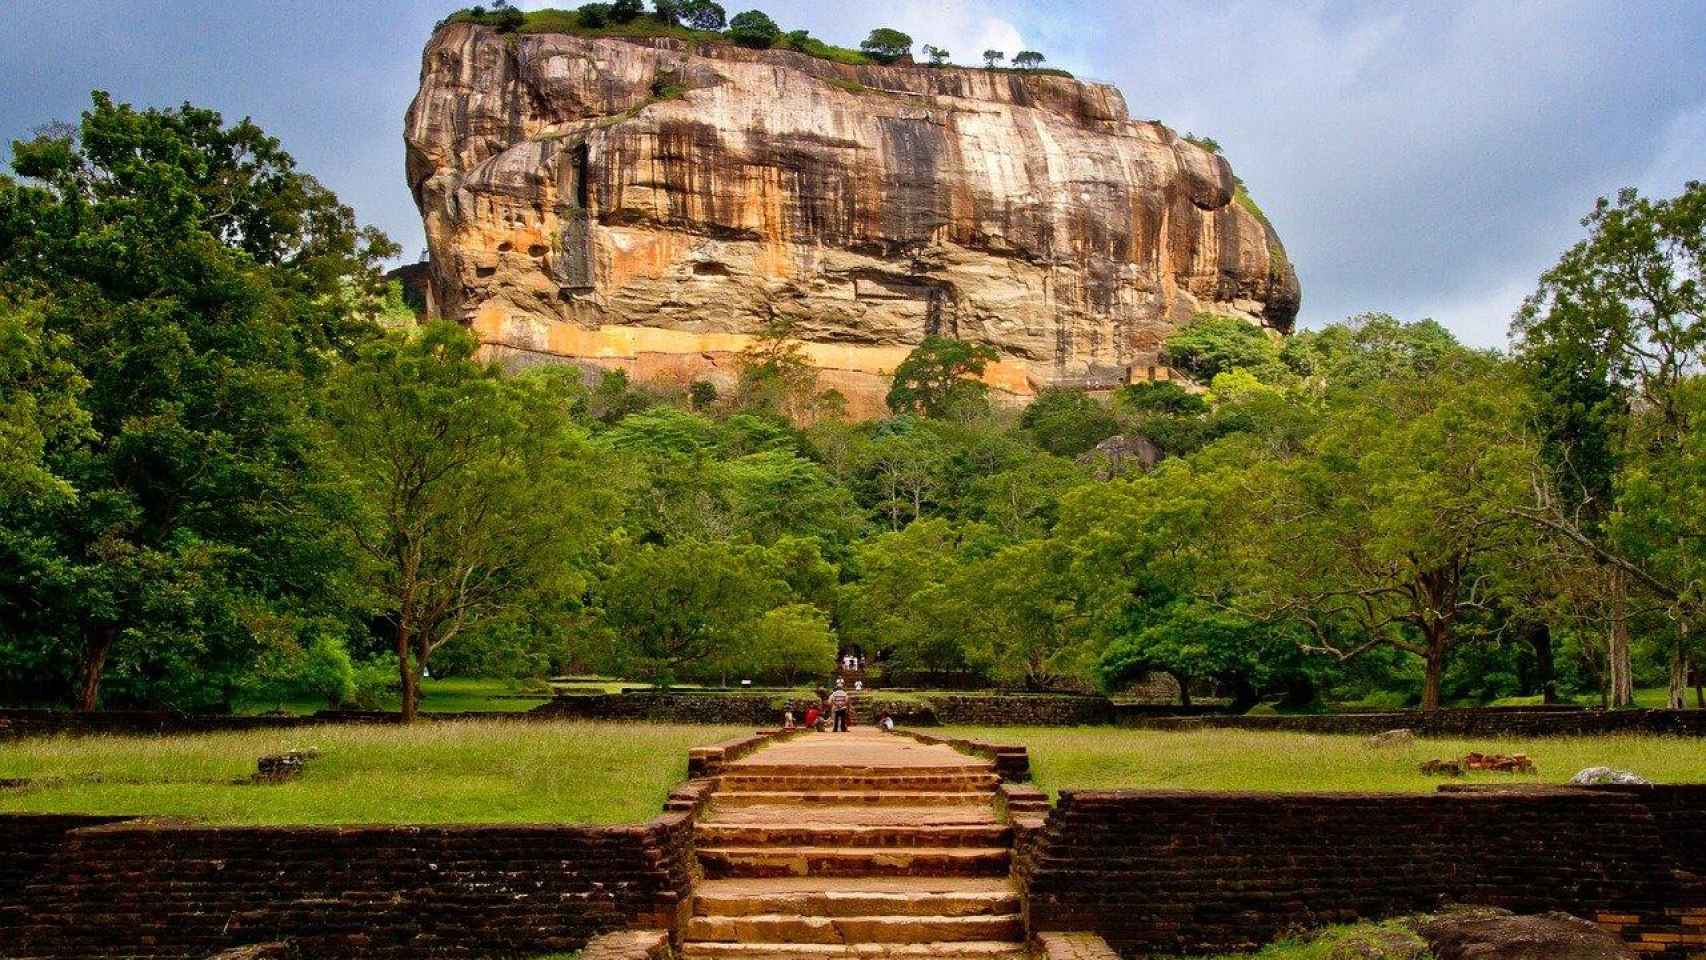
<point>472,771</point>
<point>449,695</point>
<point>1106,758</point>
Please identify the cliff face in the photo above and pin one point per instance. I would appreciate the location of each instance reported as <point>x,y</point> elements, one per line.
<point>652,204</point>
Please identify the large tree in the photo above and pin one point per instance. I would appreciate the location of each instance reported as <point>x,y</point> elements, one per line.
<point>1390,529</point>
<point>195,286</point>
<point>690,608</point>
<point>476,493</point>
<point>940,378</point>
<point>1616,334</point>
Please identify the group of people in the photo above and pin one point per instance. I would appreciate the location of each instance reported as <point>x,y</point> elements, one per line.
<point>851,662</point>
<point>832,711</point>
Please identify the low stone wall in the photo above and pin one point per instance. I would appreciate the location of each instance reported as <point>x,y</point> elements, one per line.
<point>148,889</point>
<point>982,709</point>
<point>762,709</point>
<point>1485,721</point>
<point>1021,709</point>
<point>1191,873</point>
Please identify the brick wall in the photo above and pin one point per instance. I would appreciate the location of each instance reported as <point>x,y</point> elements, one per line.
<point>1486,721</point>
<point>140,889</point>
<point>1186,872</point>
<point>28,842</point>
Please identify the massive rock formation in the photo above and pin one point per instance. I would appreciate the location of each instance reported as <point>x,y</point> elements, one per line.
<point>652,204</point>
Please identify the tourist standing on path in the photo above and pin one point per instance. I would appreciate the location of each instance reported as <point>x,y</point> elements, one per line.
<point>838,707</point>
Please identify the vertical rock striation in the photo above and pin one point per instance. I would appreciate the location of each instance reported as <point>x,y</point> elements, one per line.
<point>652,204</point>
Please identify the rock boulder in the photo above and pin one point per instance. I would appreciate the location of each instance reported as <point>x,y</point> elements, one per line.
<point>651,204</point>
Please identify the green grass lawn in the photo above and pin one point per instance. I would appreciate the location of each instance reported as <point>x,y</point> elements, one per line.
<point>451,772</point>
<point>1111,758</point>
<point>453,695</point>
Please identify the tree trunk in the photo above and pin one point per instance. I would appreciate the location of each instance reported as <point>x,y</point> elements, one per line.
<point>1300,691</point>
<point>1546,671</point>
<point>1439,639</point>
<point>92,665</point>
<point>1184,683</point>
<point>1679,668</point>
<point>1244,695</point>
<point>1618,662</point>
<point>406,668</point>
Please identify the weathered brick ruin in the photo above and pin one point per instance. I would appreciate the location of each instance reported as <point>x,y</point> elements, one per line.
<point>1152,872</point>
<point>1189,872</point>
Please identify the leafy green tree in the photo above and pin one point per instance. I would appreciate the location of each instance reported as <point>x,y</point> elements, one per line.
<point>187,288</point>
<point>593,15</point>
<point>1390,529</point>
<point>1067,422</point>
<point>906,469</point>
<point>675,606</point>
<point>754,29</point>
<point>1022,501</point>
<point>794,642</point>
<point>701,395</point>
<point>1212,344</point>
<point>626,11</point>
<point>899,601</point>
<point>476,493</point>
<point>703,14</point>
<point>886,45</point>
<point>1028,59</point>
<point>939,379</point>
<point>774,494</point>
<point>776,376</point>
<point>1623,314</point>
<point>938,56</point>
<point>506,18</point>
<point>993,58</point>
<point>1368,349</point>
<point>40,390</point>
<point>669,12</point>
<point>1025,626</point>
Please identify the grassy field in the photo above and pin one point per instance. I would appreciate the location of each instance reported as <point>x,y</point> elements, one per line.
<point>1104,758</point>
<point>454,695</point>
<point>452,772</point>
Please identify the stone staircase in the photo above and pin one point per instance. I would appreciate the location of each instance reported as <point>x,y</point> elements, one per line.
<point>860,844</point>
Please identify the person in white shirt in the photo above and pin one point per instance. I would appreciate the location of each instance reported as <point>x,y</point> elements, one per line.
<point>838,708</point>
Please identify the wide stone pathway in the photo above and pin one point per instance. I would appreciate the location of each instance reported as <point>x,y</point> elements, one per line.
<point>857,844</point>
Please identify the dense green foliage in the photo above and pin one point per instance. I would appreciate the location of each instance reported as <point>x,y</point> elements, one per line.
<point>886,45</point>
<point>228,475</point>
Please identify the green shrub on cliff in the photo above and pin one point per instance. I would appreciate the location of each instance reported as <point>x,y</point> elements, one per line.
<point>754,29</point>
<point>886,45</point>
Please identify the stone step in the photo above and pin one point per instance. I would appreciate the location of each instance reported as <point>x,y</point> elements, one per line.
<point>962,950</point>
<point>813,834</point>
<point>729,798</point>
<point>976,811</point>
<point>794,929</point>
<point>857,897</point>
<point>745,768</point>
<point>854,861</point>
<point>906,782</point>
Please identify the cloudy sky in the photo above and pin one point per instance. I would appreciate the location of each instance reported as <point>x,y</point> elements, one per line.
<point>1425,158</point>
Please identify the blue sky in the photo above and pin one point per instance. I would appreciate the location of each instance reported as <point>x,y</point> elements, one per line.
<point>1426,158</point>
